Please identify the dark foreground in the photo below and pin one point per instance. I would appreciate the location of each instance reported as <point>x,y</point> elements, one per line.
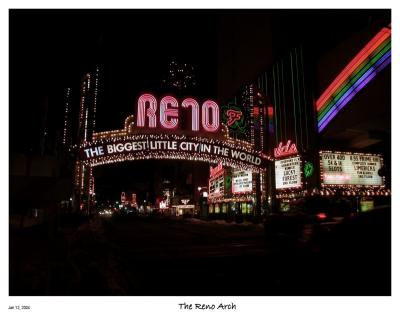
<point>156,256</point>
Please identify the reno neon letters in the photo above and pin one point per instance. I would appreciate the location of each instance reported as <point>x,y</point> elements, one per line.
<point>169,113</point>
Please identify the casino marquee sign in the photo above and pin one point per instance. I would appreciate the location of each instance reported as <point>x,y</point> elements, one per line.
<point>172,131</point>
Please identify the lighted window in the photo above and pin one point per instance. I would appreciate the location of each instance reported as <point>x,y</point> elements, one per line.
<point>244,208</point>
<point>224,208</point>
<point>249,208</point>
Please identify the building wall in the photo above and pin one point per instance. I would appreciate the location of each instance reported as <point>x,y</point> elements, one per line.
<point>288,91</point>
<point>245,46</point>
<point>278,104</point>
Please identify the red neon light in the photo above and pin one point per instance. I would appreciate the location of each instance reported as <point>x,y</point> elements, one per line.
<point>189,102</point>
<point>242,192</point>
<point>169,116</point>
<point>208,125</point>
<point>233,116</point>
<point>256,111</point>
<point>355,62</point>
<point>321,215</point>
<point>169,113</point>
<point>270,112</point>
<point>285,150</point>
<point>142,113</point>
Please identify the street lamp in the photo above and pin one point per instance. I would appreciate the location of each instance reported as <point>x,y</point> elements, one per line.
<point>202,187</point>
<point>203,190</point>
<point>201,199</point>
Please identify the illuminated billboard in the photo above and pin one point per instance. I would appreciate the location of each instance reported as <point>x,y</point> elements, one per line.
<point>288,173</point>
<point>338,168</point>
<point>242,181</point>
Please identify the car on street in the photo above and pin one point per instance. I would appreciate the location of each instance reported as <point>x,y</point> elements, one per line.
<point>306,219</point>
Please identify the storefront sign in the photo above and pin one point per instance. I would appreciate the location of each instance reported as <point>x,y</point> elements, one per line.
<point>339,168</point>
<point>288,173</point>
<point>242,182</point>
<point>285,150</point>
<point>366,204</point>
<point>233,116</point>
<point>308,169</point>
<point>215,171</point>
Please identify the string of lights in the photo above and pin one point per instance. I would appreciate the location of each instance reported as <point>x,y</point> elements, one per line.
<point>130,133</point>
<point>236,198</point>
<point>66,117</point>
<point>96,86</point>
<point>157,155</point>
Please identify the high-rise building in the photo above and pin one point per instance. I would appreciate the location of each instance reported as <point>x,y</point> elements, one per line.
<point>88,105</point>
<point>84,180</point>
<point>275,107</point>
<point>289,101</point>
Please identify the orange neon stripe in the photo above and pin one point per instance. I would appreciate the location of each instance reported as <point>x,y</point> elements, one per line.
<point>355,62</point>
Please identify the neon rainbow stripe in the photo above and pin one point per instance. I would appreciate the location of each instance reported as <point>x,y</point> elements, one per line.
<point>374,57</point>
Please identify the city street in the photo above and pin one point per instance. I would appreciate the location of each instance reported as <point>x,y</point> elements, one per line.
<point>170,256</point>
<point>143,257</point>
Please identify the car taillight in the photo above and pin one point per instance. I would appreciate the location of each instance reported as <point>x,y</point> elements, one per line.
<point>321,215</point>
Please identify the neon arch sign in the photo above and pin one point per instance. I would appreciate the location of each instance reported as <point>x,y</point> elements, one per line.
<point>156,132</point>
<point>165,114</point>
